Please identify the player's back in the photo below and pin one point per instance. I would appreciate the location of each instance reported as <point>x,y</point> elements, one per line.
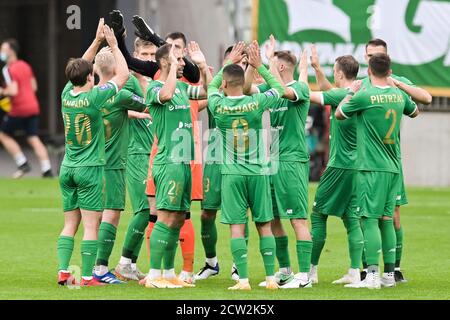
<point>378,127</point>
<point>83,124</point>
<point>240,122</point>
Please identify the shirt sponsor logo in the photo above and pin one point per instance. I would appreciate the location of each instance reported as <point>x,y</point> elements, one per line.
<point>172,107</point>
<point>184,125</point>
<point>281,109</point>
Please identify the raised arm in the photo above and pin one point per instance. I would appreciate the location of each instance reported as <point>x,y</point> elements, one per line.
<point>270,55</point>
<point>146,68</point>
<point>90,53</point>
<point>321,79</point>
<point>356,85</point>
<point>199,59</point>
<point>121,73</point>
<point>168,89</point>
<point>419,95</point>
<point>256,62</point>
<point>191,72</point>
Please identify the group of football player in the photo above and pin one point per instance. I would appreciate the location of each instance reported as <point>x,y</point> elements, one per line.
<point>137,129</point>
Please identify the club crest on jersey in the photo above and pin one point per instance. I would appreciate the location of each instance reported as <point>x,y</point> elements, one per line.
<point>177,91</point>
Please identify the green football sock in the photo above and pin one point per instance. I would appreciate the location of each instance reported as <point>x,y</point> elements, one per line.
<point>209,237</point>
<point>304,249</point>
<point>239,252</point>
<point>282,251</point>
<point>106,238</point>
<point>372,240</point>
<point>159,241</point>
<point>88,255</point>
<point>267,249</point>
<point>318,234</point>
<point>388,242</point>
<point>135,232</point>
<point>355,241</point>
<point>171,249</point>
<point>399,247</point>
<point>137,250</point>
<point>64,250</point>
<point>246,233</point>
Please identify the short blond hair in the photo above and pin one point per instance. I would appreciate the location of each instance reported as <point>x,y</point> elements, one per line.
<point>139,43</point>
<point>105,63</point>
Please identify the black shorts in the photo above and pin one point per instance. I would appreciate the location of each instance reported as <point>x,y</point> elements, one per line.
<point>29,125</point>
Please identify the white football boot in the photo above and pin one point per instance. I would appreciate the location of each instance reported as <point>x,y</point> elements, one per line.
<point>352,276</point>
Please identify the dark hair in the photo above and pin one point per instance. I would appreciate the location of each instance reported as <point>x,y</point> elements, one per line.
<point>376,43</point>
<point>380,64</point>
<point>162,52</point>
<point>348,65</point>
<point>177,35</point>
<point>13,44</point>
<point>286,56</point>
<point>234,75</point>
<point>77,71</point>
<point>228,51</point>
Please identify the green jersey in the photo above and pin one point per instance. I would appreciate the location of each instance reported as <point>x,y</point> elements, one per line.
<point>366,82</point>
<point>141,135</point>
<point>379,111</point>
<point>115,119</point>
<point>83,125</point>
<point>342,133</point>
<point>214,149</point>
<point>239,119</point>
<point>173,123</point>
<point>288,121</point>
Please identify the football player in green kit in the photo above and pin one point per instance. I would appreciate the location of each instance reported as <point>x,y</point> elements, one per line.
<point>82,171</point>
<point>245,167</point>
<point>115,118</point>
<point>169,106</point>
<point>141,138</point>
<point>378,107</point>
<point>419,95</point>
<point>290,163</point>
<point>336,192</point>
<point>116,122</point>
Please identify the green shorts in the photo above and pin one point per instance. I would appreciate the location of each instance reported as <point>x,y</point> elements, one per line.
<point>115,190</point>
<point>82,187</point>
<point>336,193</point>
<point>212,186</point>
<point>376,193</point>
<point>173,186</point>
<point>401,193</point>
<point>137,171</point>
<point>289,188</point>
<point>242,192</point>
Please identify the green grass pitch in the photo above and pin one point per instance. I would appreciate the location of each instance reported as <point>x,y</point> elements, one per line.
<point>31,219</point>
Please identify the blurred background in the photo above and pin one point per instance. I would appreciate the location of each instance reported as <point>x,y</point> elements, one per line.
<point>417,32</point>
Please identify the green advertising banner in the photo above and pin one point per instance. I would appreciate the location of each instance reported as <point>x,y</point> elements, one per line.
<point>417,33</point>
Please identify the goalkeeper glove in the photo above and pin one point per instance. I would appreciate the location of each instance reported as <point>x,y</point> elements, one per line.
<point>117,23</point>
<point>143,31</point>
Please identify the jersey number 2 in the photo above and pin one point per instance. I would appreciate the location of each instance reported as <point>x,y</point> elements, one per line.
<point>387,139</point>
